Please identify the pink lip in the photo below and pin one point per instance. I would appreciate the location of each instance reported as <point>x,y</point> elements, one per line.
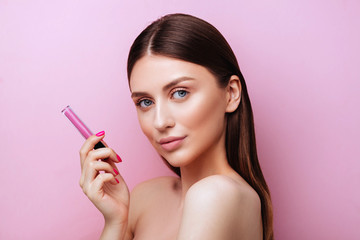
<point>171,143</point>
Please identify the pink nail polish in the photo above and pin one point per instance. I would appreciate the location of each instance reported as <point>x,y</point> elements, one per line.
<point>118,157</point>
<point>117,180</point>
<point>116,172</point>
<point>99,134</point>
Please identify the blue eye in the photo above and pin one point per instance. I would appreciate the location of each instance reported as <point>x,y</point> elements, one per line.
<point>180,94</point>
<point>145,103</point>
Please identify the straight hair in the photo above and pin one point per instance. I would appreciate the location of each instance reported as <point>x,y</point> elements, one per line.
<point>194,40</point>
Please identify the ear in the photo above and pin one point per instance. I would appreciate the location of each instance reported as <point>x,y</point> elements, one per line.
<point>233,93</point>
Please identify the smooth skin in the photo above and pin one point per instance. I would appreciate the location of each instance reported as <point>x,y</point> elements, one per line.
<point>210,201</point>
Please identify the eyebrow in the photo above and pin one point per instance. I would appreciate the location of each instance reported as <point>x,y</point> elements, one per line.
<point>166,87</point>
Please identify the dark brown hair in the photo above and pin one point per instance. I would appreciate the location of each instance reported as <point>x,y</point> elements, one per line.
<point>194,40</point>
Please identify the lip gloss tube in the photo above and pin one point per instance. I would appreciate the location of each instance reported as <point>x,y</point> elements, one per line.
<point>83,129</point>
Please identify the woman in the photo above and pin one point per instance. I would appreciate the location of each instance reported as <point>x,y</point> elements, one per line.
<point>193,106</point>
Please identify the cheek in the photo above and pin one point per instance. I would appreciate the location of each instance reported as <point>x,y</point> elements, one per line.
<point>204,113</point>
<point>145,123</point>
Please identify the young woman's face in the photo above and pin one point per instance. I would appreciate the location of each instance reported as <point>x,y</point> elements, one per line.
<point>180,108</point>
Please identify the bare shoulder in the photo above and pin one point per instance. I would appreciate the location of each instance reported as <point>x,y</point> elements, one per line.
<point>151,191</point>
<point>148,195</point>
<point>154,187</point>
<point>223,187</point>
<point>226,205</point>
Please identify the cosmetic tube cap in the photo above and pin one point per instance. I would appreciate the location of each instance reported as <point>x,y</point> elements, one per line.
<point>75,120</point>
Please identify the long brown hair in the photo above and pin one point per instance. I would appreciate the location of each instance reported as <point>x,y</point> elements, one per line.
<point>194,40</point>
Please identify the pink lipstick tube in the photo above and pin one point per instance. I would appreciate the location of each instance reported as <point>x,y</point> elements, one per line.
<point>83,129</point>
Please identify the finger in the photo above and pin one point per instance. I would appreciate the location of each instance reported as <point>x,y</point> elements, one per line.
<point>93,170</point>
<point>89,166</point>
<point>117,172</point>
<point>89,170</point>
<point>115,169</point>
<point>93,156</point>
<point>89,145</point>
<point>107,154</point>
<point>97,185</point>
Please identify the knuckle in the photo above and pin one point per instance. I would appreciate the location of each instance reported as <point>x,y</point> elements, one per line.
<point>106,152</point>
<point>101,177</point>
<point>92,164</point>
<point>82,152</point>
<point>91,154</point>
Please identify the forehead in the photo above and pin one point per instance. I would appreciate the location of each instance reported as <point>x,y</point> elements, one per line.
<point>153,70</point>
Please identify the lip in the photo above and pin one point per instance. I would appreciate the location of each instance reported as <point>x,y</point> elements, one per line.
<point>171,143</point>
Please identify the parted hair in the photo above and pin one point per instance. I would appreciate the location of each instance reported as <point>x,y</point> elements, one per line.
<point>191,39</point>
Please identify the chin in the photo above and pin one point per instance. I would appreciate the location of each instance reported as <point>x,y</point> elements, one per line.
<point>178,158</point>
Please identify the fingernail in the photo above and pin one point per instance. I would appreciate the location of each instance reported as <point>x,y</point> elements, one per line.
<point>116,172</point>
<point>99,134</point>
<point>117,180</point>
<point>118,157</point>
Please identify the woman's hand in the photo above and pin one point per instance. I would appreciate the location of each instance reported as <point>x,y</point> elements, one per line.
<point>106,190</point>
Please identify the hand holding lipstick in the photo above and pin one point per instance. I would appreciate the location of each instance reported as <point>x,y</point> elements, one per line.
<point>106,190</point>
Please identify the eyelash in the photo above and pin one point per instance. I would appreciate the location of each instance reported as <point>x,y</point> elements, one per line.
<point>179,90</point>
<point>139,101</point>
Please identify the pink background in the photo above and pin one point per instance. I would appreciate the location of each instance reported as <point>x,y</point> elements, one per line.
<point>301,60</point>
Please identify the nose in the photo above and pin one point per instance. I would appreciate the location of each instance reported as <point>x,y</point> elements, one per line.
<point>163,117</point>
